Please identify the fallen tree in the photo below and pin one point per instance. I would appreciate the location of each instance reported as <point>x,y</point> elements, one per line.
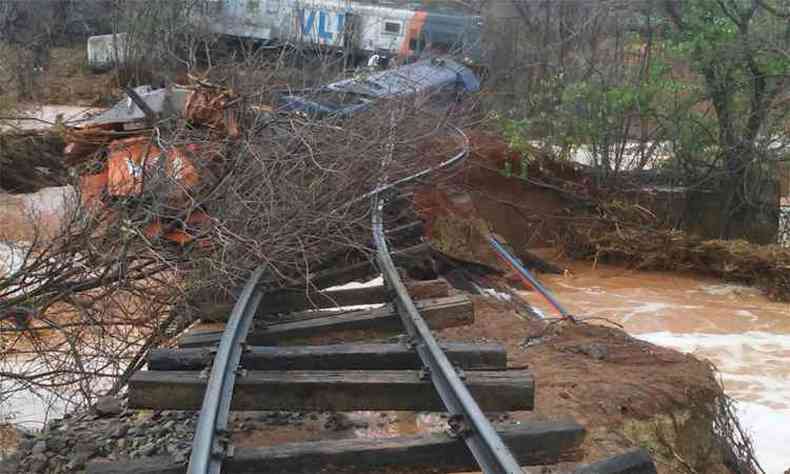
<point>78,311</point>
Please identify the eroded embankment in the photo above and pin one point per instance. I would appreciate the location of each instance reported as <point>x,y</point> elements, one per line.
<point>626,391</point>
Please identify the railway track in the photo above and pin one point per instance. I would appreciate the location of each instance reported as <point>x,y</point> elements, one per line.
<point>267,358</point>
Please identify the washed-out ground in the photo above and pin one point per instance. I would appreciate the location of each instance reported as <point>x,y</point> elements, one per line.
<point>614,385</point>
<point>623,389</point>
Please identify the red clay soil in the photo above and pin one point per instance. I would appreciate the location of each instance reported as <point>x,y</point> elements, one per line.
<point>600,376</point>
<point>523,214</point>
<point>596,375</point>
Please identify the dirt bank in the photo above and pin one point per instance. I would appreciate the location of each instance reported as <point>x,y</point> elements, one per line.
<point>626,392</point>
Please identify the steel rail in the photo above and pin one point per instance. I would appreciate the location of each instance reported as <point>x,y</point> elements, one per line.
<point>516,264</point>
<point>483,441</point>
<point>208,451</point>
<point>457,158</point>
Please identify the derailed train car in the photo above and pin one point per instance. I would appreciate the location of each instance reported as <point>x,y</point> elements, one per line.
<point>359,28</point>
<point>437,81</point>
<point>364,27</point>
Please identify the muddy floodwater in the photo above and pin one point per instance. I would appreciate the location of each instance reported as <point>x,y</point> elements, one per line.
<point>745,334</point>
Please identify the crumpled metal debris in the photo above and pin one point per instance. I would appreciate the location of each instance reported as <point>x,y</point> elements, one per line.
<point>135,165</point>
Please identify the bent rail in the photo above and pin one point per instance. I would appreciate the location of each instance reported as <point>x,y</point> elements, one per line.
<point>516,265</point>
<point>467,419</point>
<point>207,449</point>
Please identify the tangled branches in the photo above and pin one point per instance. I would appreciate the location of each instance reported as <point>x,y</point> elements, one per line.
<point>81,308</point>
<point>624,234</point>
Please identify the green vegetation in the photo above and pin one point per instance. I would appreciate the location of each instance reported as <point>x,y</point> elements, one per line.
<point>696,91</point>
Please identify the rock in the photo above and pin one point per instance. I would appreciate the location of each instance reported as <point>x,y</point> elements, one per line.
<point>38,463</point>
<point>533,341</point>
<point>56,443</point>
<point>595,350</point>
<point>359,422</point>
<point>149,449</point>
<point>339,422</point>
<point>86,449</point>
<point>120,431</point>
<point>108,406</point>
<point>180,457</point>
<point>39,448</point>
<point>74,465</point>
<point>169,425</point>
<point>26,444</point>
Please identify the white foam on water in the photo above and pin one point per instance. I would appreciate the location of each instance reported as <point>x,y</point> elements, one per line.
<point>590,290</point>
<point>652,308</point>
<point>770,432</point>
<point>22,407</point>
<point>753,366</point>
<point>745,313</point>
<point>727,289</point>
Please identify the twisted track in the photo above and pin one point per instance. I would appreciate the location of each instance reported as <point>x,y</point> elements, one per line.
<point>468,420</point>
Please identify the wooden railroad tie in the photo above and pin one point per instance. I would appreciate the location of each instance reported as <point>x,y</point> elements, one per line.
<point>532,444</point>
<point>336,390</point>
<point>291,301</point>
<point>438,313</point>
<point>332,357</point>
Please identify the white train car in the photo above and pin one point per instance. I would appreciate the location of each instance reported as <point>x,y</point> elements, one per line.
<point>394,28</point>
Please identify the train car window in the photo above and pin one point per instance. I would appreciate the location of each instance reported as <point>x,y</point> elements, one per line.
<point>253,6</point>
<point>392,27</point>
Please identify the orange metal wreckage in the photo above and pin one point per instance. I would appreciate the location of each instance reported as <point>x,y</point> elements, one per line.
<point>136,165</point>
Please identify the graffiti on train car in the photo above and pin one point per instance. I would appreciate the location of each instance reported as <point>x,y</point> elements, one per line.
<point>322,24</point>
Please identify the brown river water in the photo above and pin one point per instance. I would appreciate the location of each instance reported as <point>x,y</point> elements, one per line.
<point>745,334</point>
